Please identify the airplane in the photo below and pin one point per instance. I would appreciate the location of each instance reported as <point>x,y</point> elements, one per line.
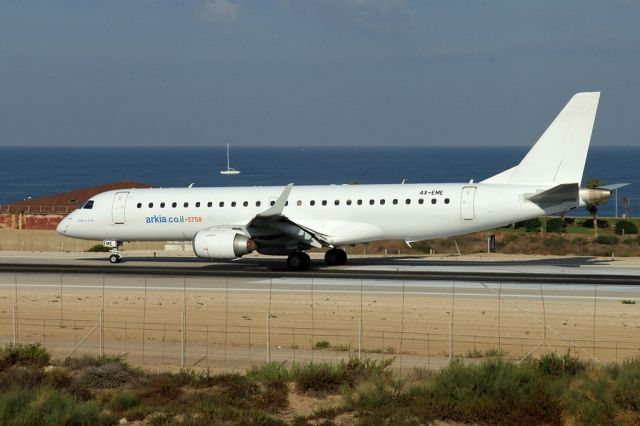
<point>227,223</point>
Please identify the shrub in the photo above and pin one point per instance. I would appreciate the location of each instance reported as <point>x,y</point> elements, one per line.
<point>588,223</point>
<point>271,372</point>
<point>322,344</point>
<point>23,377</point>
<point>121,401</point>
<point>625,227</point>
<point>24,355</point>
<point>555,365</point>
<point>47,407</point>
<point>93,361</point>
<point>532,225</point>
<point>59,378</point>
<point>555,225</point>
<point>109,375</point>
<point>606,239</point>
<point>319,377</point>
<point>162,388</point>
<point>98,248</point>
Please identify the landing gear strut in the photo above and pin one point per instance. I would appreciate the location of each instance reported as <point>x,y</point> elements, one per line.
<point>298,261</point>
<point>335,257</point>
<point>114,249</point>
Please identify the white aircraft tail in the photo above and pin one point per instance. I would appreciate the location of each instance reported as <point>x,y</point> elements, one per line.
<point>561,152</point>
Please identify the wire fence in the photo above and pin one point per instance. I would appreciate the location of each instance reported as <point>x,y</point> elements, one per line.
<point>236,323</point>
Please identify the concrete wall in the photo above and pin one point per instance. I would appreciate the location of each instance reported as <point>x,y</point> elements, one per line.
<point>36,240</point>
<point>30,221</point>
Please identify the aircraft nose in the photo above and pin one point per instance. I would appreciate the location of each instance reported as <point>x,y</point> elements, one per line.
<point>63,226</point>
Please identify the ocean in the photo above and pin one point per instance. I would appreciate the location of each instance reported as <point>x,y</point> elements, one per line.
<point>33,172</point>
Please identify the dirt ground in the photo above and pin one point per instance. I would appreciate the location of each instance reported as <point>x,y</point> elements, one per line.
<point>236,329</point>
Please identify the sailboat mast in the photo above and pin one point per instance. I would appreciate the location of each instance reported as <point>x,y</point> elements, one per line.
<point>227,156</point>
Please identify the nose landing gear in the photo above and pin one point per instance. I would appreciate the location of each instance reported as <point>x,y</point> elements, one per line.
<point>114,246</point>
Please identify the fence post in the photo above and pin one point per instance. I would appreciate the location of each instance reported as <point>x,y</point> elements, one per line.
<point>360,338</point>
<point>101,349</point>
<point>15,325</point>
<point>268,338</point>
<point>184,332</point>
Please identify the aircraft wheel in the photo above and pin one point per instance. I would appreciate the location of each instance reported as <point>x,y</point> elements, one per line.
<point>334,257</point>
<point>114,258</point>
<point>298,261</point>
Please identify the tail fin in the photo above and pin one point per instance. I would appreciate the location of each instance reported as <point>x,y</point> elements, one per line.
<point>561,152</point>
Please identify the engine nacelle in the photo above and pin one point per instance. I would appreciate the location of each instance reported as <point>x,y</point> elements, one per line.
<point>594,196</point>
<point>222,244</point>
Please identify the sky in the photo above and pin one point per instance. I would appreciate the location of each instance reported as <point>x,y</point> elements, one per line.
<point>312,72</point>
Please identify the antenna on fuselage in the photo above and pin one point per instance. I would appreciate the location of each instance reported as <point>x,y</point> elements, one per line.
<point>191,186</point>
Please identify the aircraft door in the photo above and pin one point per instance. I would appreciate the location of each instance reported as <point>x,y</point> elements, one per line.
<point>119,203</point>
<point>466,202</point>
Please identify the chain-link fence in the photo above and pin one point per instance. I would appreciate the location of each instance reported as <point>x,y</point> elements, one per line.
<point>238,322</point>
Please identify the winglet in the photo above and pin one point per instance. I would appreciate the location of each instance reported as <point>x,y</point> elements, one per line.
<point>277,208</point>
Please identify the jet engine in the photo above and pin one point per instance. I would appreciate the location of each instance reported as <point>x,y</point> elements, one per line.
<point>222,244</point>
<point>594,196</point>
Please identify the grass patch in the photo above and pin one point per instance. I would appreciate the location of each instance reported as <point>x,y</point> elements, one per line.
<point>23,355</point>
<point>628,302</point>
<point>322,344</point>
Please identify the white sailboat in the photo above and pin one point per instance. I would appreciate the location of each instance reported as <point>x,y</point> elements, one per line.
<point>229,170</point>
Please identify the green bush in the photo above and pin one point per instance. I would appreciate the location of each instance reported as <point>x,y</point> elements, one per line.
<point>23,377</point>
<point>47,407</point>
<point>625,227</point>
<point>588,223</point>
<point>319,377</point>
<point>322,344</point>
<point>124,400</point>
<point>24,355</point>
<point>555,365</point>
<point>271,372</point>
<point>98,248</point>
<point>606,239</point>
<point>532,225</point>
<point>93,361</point>
<point>555,225</point>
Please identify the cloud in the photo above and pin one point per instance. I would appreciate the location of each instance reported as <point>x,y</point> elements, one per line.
<point>220,10</point>
<point>371,15</point>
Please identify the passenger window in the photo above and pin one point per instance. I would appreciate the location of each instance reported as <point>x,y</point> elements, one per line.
<point>408,201</point>
<point>324,202</point>
<point>233,204</point>
<point>299,203</point>
<point>186,204</point>
<point>257,203</point>
<point>138,205</point>
<point>348,202</point>
<point>88,205</point>
<point>395,201</point>
<point>150,205</point>
<point>246,204</point>
<point>198,204</point>
<point>336,202</point>
<point>359,202</point>
<point>162,205</point>
<point>209,204</point>
<point>286,203</point>
<point>371,202</point>
<point>221,203</point>
<point>421,201</point>
<point>272,203</point>
<point>433,201</point>
<point>312,202</point>
<point>382,202</point>
<point>174,204</point>
<point>446,201</point>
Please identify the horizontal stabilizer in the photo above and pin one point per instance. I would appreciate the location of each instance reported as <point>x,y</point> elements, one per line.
<point>567,192</point>
<point>614,186</point>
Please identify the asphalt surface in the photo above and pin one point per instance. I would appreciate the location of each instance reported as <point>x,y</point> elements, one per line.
<point>567,270</point>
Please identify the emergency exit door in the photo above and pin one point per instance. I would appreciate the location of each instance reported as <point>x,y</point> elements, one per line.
<point>466,202</point>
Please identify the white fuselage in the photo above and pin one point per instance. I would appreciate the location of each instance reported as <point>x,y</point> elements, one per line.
<point>345,214</point>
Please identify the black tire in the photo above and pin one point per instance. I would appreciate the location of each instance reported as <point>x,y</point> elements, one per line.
<point>335,257</point>
<point>298,261</point>
<point>114,258</point>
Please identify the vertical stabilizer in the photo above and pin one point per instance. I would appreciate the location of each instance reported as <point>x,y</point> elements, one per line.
<point>560,154</point>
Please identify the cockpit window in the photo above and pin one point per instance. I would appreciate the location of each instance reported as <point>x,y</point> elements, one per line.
<point>88,205</point>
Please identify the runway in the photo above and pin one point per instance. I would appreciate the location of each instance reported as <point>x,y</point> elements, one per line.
<point>567,270</point>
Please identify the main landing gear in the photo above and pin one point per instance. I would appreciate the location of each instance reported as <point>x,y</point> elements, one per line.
<point>335,257</point>
<point>298,261</point>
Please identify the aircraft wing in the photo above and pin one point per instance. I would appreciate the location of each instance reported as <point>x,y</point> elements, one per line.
<point>273,222</point>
